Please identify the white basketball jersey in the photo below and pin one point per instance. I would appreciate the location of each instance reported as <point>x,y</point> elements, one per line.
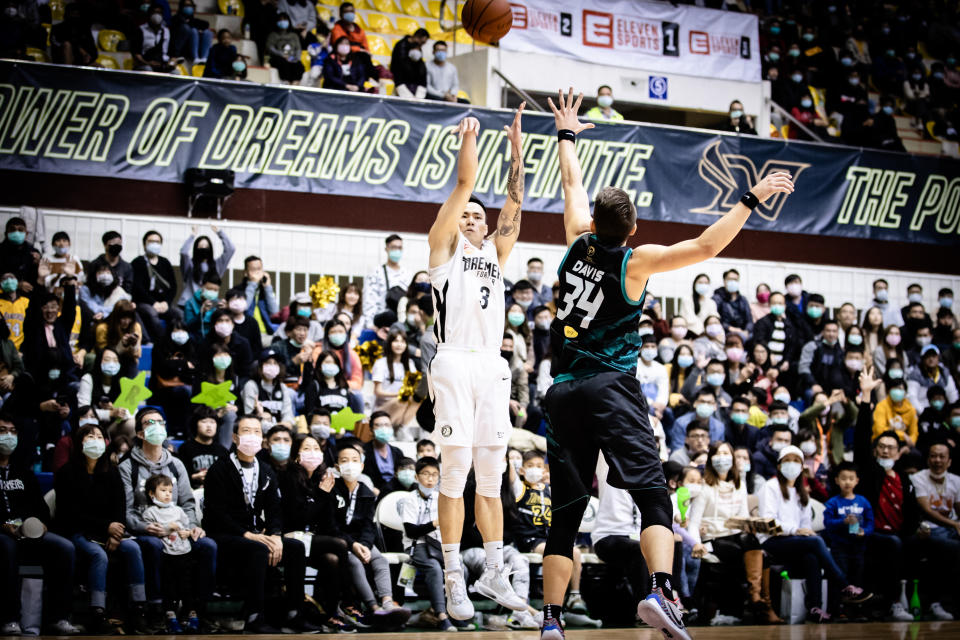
<point>469,297</point>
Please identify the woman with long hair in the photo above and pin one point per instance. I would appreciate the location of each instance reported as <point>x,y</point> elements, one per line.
<point>785,499</point>
<point>100,294</point>
<point>308,510</point>
<point>389,371</point>
<point>122,333</point>
<point>888,349</point>
<point>517,326</point>
<point>872,330</point>
<point>100,388</point>
<point>350,301</point>
<point>196,259</point>
<point>325,386</point>
<point>677,372</point>
<point>217,368</point>
<point>699,305</point>
<point>724,496</point>
<point>336,340</point>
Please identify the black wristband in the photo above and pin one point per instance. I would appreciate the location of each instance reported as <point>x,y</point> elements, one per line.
<point>749,200</point>
<point>566,134</point>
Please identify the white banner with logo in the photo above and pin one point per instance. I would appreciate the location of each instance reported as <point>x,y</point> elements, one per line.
<point>650,36</point>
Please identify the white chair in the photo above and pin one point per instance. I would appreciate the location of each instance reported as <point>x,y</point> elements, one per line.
<point>388,514</point>
<point>50,497</point>
<point>817,516</point>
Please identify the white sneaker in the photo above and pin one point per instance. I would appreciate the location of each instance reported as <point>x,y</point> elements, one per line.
<point>899,613</point>
<point>65,628</point>
<point>10,629</point>
<point>522,620</point>
<point>459,606</point>
<point>938,612</point>
<point>720,620</point>
<point>493,585</point>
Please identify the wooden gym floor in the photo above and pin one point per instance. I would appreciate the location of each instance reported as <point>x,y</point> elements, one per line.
<point>857,631</point>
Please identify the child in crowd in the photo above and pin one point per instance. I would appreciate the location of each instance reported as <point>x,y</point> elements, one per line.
<point>176,554</point>
<point>848,519</point>
<point>202,451</point>
<point>691,479</point>
<point>421,535</point>
<point>426,449</point>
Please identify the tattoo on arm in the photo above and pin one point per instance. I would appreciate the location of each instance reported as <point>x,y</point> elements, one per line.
<point>510,225</point>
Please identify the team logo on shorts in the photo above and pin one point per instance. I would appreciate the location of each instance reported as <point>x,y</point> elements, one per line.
<point>446,430</point>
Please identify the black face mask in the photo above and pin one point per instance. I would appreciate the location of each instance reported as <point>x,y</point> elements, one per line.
<point>202,254</point>
<point>506,355</point>
<point>113,250</point>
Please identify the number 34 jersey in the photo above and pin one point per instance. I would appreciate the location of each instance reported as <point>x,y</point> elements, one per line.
<point>469,298</point>
<point>596,325</point>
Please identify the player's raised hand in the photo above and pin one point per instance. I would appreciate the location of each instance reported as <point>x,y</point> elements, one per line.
<point>513,131</point>
<point>468,125</point>
<point>776,182</point>
<point>565,112</point>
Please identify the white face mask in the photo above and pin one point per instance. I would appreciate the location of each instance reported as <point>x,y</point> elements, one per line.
<point>808,448</point>
<point>777,446</point>
<point>722,463</point>
<point>886,463</point>
<point>533,475</point>
<point>350,470</point>
<point>791,470</point>
<point>694,489</point>
<point>343,49</point>
<point>237,305</point>
<point>320,431</point>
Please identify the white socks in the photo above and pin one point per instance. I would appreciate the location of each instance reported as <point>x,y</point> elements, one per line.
<point>451,557</point>
<point>494,554</point>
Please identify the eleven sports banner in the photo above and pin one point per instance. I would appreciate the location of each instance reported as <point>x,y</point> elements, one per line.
<point>640,35</point>
<point>119,124</point>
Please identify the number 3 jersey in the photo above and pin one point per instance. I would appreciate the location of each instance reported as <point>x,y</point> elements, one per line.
<point>469,297</point>
<point>596,325</point>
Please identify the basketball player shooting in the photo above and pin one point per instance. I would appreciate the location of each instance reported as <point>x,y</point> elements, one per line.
<point>595,403</point>
<point>470,382</point>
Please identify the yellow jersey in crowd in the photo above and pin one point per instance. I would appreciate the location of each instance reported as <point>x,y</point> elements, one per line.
<point>13,314</point>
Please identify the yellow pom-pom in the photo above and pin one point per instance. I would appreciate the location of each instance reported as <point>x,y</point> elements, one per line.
<point>324,291</point>
<point>410,382</point>
<point>369,352</point>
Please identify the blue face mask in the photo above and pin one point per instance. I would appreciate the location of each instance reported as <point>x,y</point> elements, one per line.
<point>855,339</point>
<point>895,374</point>
<point>774,56</point>
<point>705,410</point>
<point>395,254</point>
<point>946,302</point>
<point>188,11</point>
<point>383,434</point>
<point>897,395</point>
<point>16,237</point>
<point>715,379</point>
<point>239,66</point>
<point>806,103</point>
<point>8,442</point>
<point>736,113</point>
<point>283,24</point>
<point>337,339</point>
<point>110,368</point>
<point>407,477</point>
<point>775,30</point>
<point>797,78</point>
<point>808,37</point>
<point>684,361</point>
<point>814,312</point>
<point>938,404</point>
<point>280,451</point>
<point>349,16</point>
<point>739,417</point>
<point>515,318</point>
<point>329,369</point>
<point>440,56</point>
<point>887,109</point>
<point>303,312</point>
<point>425,491</point>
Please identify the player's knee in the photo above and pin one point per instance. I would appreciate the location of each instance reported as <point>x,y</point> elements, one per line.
<point>654,506</point>
<point>488,485</point>
<point>489,466</point>
<point>576,554</point>
<point>456,466</point>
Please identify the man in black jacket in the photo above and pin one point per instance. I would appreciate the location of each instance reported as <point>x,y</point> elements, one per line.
<point>20,498</point>
<point>243,515</point>
<point>154,287</point>
<point>892,496</point>
<point>355,507</point>
<point>381,459</point>
<point>112,248</point>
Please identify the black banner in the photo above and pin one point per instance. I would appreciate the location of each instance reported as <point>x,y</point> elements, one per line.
<point>148,127</point>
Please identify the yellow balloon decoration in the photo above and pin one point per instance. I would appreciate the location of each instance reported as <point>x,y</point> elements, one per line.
<point>324,291</point>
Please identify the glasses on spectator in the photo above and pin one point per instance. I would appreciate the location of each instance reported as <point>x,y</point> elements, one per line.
<point>887,447</point>
<point>158,422</point>
<point>429,475</point>
<point>5,429</point>
<point>700,436</point>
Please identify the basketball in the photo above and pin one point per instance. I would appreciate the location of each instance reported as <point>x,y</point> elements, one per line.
<point>487,20</point>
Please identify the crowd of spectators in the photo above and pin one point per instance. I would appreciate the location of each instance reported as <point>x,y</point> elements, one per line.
<point>824,58</point>
<point>778,398</point>
<point>289,35</point>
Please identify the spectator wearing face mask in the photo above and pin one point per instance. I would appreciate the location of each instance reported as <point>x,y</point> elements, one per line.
<point>696,308</point>
<point>890,493</point>
<point>150,44</point>
<point>100,388</point>
<point>934,423</point>
<point>738,121</point>
<point>385,285</point>
<point>265,395</point>
<point>173,374</point>
<point>223,60</point>
<point>764,459</point>
<point>277,443</point>
<point>829,416</point>
<point>217,368</point>
<point>62,262</point>
<point>199,452</point>
<point>347,27</point>
<point>222,334</point>
<point>46,335</point>
<point>889,350</point>
<point>604,109</point>
<point>326,386</point>
<point>814,470</point>
<point>712,377</point>
<point>442,80</point>
<point>243,323</point>
<point>711,345</point>
<point>916,90</point>
<point>806,113</point>
<point>283,50</point>
<point>190,37</point>
<point>760,307</point>
<point>154,286</point>
<point>917,331</point>
<point>406,64</point>
<point>896,413</point>
<point>199,309</point>
<point>102,293</point>
<point>120,268</point>
<point>821,364</point>
<point>13,307</point>
<point>336,341</point>
<point>881,300</point>
<point>738,433</point>
<point>542,294</point>
<point>261,302</point>
<point>733,308</point>
<point>703,416</point>
<point>927,373</point>
<point>882,134</point>
<point>197,262</point>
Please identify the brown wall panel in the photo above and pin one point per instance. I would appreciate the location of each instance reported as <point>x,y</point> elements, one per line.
<point>161,198</point>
